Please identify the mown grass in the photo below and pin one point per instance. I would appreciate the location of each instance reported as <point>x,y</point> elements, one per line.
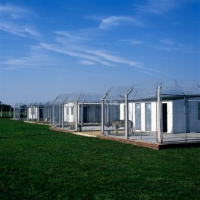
<point>6,114</point>
<point>37,163</point>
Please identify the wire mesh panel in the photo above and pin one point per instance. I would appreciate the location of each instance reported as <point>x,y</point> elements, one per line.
<point>20,111</point>
<point>16,114</point>
<point>57,115</point>
<point>77,111</point>
<point>182,120</point>
<point>113,107</point>
<point>171,116</point>
<point>47,112</point>
<point>112,117</point>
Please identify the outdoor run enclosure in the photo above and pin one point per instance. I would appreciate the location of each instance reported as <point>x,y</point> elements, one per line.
<point>155,111</point>
<point>20,111</point>
<point>77,111</point>
<point>35,112</point>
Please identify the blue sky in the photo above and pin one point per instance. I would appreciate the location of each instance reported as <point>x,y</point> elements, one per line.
<point>51,47</point>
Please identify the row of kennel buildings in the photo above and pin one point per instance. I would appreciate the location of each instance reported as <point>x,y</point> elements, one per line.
<point>162,107</point>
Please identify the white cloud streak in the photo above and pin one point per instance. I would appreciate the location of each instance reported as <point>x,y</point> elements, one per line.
<point>10,21</point>
<point>18,30</point>
<point>160,7</point>
<point>114,59</point>
<point>11,9</point>
<point>86,62</point>
<point>112,21</point>
<point>69,52</point>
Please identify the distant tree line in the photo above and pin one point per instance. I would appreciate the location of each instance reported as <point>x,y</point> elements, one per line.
<point>5,107</point>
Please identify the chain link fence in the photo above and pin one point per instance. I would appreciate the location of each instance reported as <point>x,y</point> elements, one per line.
<point>164,112</point>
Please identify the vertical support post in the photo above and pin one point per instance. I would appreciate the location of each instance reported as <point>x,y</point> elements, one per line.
<point>59,114</point>
<point>107,114</point>
<point>27,113</point>
<point>140,120</point>
<point>1,112</point>
<point>10,112</point>
<point>19,110</point>
<point>185,116</point>
<point>14,112</point>
<point>127,114</point>
<point>63,113</point>
<point>76,114</point>
<point>102,116</point>
<point>82,113</point>
<point>38,113</point>
<point>50,114</point>
<point>159,115</point>
<point>32,113</point>
<point>102,112</point>
<point>53,113</point>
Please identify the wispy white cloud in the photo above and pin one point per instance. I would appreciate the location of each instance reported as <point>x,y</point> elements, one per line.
<point>114,59</point>
<point>162,6</point>
<point>136,42</point>
<point>35,59</point>
<point>86,62</point>
<point>18,30</point>
<point>132,42</point>
<point>75,53</point>
<point>14,12</point>
<point>112,21</point>
<point>71,37</point>
<point>170,45</point>
<point>167,41</point>
<point>11,9</point>
<point>158,6</point>
<point>11,21</point>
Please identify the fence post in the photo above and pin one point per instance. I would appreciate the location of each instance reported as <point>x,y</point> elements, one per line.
<point>1,112</point>
<point>38,113</point>
<point>27,113</point>
<point>19,111</point>
<point>76,116</point>
<point>14,113</point>
<point>185,116</point>
<point>82,112</point>
<point>10,112</point>
<point>159,115</point>
<point>127,114</point>
<point>50,114</point>
<point>102,112</point>
<point>63,112</point>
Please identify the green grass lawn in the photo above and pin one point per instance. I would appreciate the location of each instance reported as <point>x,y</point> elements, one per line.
<point>37,163</point>
<point>6,114</point>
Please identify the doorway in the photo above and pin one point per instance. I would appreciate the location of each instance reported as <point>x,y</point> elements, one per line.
<point>164,116</point>
<point>85,118</point>
<point>41,113</point>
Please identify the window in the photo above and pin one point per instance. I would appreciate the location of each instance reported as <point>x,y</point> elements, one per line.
<point>198,111</point>
<point>72,110</point>
<point>67,110</point>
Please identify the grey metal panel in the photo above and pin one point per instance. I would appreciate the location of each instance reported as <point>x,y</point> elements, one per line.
<point>148,116</point>
<point>137,116</point>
